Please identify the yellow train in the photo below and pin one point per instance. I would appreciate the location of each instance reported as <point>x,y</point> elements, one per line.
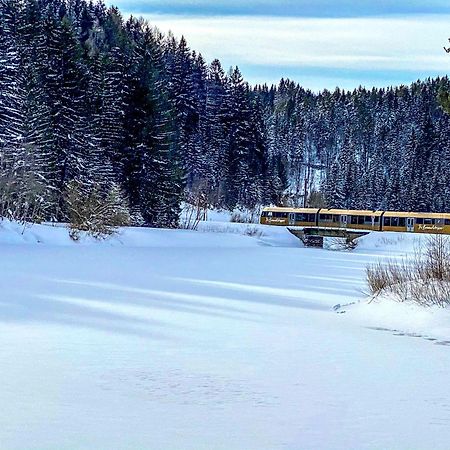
<point>413,222</point>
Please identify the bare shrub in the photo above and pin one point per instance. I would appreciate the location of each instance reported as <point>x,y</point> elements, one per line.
<point>392,240</point>
<point>436,258</point>
<point>378,277</point>
<point>95,212</point>
<point>253,231</point>
<point>195,208</point>
<point>228,228</point>
<point>191,216</point>
<point>245,215</point>
<point>341,244</point>
<point>423,278</point>
<point>392,276</point>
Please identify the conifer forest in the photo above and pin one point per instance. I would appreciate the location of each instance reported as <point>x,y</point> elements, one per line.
<point>109,104</point>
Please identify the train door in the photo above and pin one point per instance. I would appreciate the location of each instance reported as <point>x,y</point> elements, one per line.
<point>291,218</point>
<point>344,221</point>
<point>410,224</point>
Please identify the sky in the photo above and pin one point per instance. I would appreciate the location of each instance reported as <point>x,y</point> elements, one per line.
<point>318,43</point>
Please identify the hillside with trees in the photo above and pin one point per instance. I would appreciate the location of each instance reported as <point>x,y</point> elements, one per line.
<point>128,115</point>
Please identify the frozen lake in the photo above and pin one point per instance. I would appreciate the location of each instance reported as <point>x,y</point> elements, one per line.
<point>181,340</point>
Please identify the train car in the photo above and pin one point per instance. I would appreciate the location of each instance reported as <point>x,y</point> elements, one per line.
<point>413,222</point>
<point>299,217</point>
<point>345,218</point>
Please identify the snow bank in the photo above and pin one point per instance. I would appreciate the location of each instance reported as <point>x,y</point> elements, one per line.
<point>265,234</point>
<point>57,235</point>
<point>392,242</point>
<point>384,313</point>
<point>208,233</point>
<point>16,233</point>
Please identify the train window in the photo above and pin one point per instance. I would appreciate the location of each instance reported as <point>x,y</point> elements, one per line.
<point>397,221</point>
<point>358,220</point>
<point>447,221</point>
<point>264,214</point>
<point>368,219</point>
<point>439,222</point>
<point>312,218</point>
<point>326,217</point>
<point>300,217</point>
<point>377,219</point>
<point>419,221</point>
<point>387,221</point>
<point>336,219</point>
<point>269,213</point>
<point>428,221</point>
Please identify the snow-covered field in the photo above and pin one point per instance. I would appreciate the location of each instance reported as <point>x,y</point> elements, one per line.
<point>214,340</point>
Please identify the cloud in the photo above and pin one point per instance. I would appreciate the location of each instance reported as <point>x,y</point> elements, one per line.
<point>409,45</point>
<point>290,8</point>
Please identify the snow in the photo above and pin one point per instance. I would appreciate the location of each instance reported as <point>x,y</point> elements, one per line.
<point>392,242</point>
<point>163,339</point>
<point>406,318</point>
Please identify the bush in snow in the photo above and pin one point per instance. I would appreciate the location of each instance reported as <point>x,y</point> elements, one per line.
<point>253,231</point>
<point>423,278</point>
<point>340,244</point>
<point>95,212</point>
<point>246,215</point>
<point>190,217</point>
<point>194,209</point>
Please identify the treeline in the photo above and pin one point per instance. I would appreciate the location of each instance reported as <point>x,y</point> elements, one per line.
<point>375,149</point>
<point>97,106</point>
<point>89,98</point>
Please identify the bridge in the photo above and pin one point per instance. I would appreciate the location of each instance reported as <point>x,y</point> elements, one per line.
<point>313,236</point>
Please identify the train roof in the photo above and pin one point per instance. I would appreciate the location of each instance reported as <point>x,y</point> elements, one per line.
<point>292,210</point>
